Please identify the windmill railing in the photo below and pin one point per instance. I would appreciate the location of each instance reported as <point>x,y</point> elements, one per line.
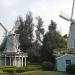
<point>62,51</point>
<point>21,54</point>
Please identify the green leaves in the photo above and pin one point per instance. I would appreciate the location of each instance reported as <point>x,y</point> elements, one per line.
<point>25,32</point>
<point>52,40</point>
<point>40,30</point>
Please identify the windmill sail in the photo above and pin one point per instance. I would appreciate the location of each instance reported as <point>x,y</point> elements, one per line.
<point>64,16</point>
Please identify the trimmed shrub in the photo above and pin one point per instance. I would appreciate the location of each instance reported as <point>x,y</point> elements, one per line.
<point>48,66</point>
<point>70,69</point>
<point>1,67</point>
<point>9,69</point>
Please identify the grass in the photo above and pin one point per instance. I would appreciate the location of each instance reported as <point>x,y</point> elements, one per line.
<point>3,73</point>
<point>32,66</point>
<point>42,73</point>
<point>35,69</point>
<point>38,71</point>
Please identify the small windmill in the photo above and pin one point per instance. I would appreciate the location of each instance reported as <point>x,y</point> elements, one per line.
<point>10,39</point>
<point>12,55</point>
<point>71,39</point>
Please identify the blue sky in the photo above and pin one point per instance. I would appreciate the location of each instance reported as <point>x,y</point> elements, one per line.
<point>47,9</point>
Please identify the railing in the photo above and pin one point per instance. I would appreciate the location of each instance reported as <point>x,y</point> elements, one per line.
<point>62,51</point>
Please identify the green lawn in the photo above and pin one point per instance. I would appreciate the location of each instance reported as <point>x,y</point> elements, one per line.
<point>42,73</point>
<point>35,69</point>
<point>3,74</point>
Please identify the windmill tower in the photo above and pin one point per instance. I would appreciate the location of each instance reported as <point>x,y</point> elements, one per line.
<point>71,39</point>
<point>12,55</point>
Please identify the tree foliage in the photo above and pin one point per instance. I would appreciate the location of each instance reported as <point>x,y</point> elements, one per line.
<point>52,40</point>
<point>40,30</point>
<point>52,26</point>
<point>25,32</point>
<point>34,53</point>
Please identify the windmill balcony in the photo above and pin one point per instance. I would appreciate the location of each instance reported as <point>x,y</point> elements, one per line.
<point>17,59</point>
<point>61,51</point>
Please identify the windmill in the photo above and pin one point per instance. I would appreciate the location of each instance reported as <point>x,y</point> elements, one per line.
<point>12,55</point>
<point>10,39</point>
<point>71,39</point>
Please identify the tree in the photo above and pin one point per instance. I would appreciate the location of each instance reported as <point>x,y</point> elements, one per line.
<point>52,40</point>
<point>34,55</point>
<point>25,32</point>
<point>29,26</point>
<point>66,37</point>
<point>40,30</point>
<point>52,26</point>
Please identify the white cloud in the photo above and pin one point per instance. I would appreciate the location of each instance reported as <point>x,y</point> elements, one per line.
<point>7,2</point>
<point>40,8</point>
<point>44,10</point>
<point>14,13</point>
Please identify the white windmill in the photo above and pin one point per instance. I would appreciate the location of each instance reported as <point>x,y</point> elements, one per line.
<point>12,43</point>
<point>71,39</point>
<point>12,55</point>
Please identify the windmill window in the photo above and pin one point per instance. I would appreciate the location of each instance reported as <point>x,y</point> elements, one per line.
<point>68,61</point>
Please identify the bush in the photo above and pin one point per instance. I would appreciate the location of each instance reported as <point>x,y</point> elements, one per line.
<point>20,70</point>
<point>70,69</point>
<point>9,69</point>
<point>48,66</point>
<point>1,67</point>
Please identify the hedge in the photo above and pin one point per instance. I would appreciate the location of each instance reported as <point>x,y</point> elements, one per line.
<point>48,66</point>
<point>70,69</point>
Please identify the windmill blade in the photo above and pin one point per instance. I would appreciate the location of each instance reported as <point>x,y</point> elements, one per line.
<point>64,16</point>
<point>72,10</point>
<point>3,27</point>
